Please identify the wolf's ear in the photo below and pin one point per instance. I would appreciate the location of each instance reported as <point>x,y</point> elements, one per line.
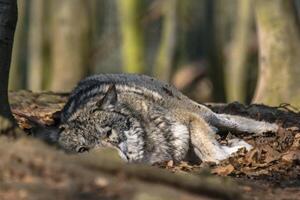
<point>109,99</point>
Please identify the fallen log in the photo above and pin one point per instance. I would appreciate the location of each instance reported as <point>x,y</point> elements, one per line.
<point>38,170</point>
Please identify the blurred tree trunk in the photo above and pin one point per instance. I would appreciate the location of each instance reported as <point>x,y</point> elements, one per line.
<point>165,56</point>
<point>183,23</point>
<point>97,14</point>
<point>70,43</point>
<point>46,45</point>
<point>15,79</point>
<point>35,45</point>
<point>133,47</point>
<point>214,47</point>
<point>8,20</point>
<point>279,45</point>
<point>237,62</point>
<point>100,11</point>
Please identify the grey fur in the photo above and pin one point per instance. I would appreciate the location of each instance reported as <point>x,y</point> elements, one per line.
<point>146,120</point>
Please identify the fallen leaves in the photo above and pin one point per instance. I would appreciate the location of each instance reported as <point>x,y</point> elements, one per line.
<point>293,156</point>
<point>272,154</point>
<point>40,106</point>
<point>223,170</point>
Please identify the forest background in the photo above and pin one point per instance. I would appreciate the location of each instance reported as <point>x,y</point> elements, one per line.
<point>246,51</point>
<point>219,51</point>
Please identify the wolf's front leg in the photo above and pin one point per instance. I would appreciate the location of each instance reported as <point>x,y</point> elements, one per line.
<point>207,147</point>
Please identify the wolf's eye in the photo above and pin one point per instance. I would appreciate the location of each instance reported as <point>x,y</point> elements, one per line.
<point>81,149</point>
<point>62,128</point>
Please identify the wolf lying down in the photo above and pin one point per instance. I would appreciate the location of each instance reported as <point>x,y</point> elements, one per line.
<point>147,121</point>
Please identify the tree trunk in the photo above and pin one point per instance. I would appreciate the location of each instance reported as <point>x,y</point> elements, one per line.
<point>213,48</point>
<point>70,43</point>
<point>15,77</point>
<point>8,20</point>
<point>164,60</point>
<point>279,42</point>
<point>236,75</point>
<point>133,55</point>
<point>35,45</point>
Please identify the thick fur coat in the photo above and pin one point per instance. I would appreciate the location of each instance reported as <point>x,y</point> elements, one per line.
<point>147,121</point>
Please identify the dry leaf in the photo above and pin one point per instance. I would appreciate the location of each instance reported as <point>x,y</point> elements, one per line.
<point>223,170</point>
<point>291,156</point>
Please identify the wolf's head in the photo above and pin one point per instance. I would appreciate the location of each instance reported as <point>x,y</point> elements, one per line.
<point>100,123</point>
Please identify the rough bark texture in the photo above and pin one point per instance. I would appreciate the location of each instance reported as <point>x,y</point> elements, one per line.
<point>165,56</point>
<point>70,43</point>
<point>8,20</point>
<point>279,41</point>
<point>133,55</point>
<point>236,71</point>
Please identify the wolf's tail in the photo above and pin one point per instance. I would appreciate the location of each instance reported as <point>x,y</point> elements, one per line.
<point>243,124</point>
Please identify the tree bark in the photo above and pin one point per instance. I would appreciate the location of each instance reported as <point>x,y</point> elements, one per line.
<point>279,42</point>
<point>165,56</point>
<point>8,20</point>
<point>237,64</point>
<point>133,56</point>
<point>70,43</point>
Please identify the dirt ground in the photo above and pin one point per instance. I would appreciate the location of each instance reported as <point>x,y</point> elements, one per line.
<point>271,170</point>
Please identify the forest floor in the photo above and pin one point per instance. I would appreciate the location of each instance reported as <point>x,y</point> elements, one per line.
<point>271,170</point>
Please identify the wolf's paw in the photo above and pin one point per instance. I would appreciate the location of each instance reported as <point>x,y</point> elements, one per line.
<point>234,145</point>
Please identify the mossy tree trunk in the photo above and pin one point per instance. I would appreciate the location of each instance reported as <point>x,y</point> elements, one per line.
<point>133,47</point>
<point>236,70</point>
<point>70,43</point>
<point>8,21</point>
<point>279,46</point>
<point>165,56</point>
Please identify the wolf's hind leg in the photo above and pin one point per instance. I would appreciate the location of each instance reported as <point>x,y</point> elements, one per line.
<point>207,147</point>
<point>204,143</point>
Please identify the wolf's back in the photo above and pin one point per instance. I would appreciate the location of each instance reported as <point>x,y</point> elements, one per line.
<point>96,85</point>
